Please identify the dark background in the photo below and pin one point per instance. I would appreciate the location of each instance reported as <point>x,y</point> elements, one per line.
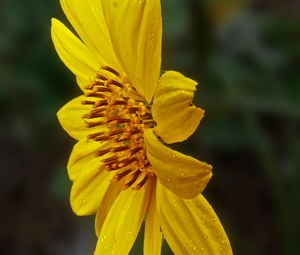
<point>246,57</point>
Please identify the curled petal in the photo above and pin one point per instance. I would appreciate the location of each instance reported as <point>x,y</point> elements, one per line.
<point>184,175</point>
<point>191,226</point>
<point>176,118</point>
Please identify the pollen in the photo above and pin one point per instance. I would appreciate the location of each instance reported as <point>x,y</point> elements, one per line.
<point>118,109</point>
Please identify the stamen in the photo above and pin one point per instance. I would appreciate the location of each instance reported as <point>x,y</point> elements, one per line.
<point>101,89</point>
<point>92,136</point>
<point>120,102</point>
<point>118,84</point>
<point>125,114</point>
<point>86,102</point>
<point>131,179</point>
<point>119,176</point>
<point>101,103</point>
<point>109,160</point>
<point>142,183</point>
<point>94,94</point>
<point>102,152</point>
<point>135,150</point>
<point>121,148</point>
<point>101,77</point>
<point>107,68</point>
<point>94,124</point>
<point>126,162</point>
<point>118,120</point>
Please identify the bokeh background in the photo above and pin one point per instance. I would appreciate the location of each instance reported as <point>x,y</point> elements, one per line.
<point>246,57</point>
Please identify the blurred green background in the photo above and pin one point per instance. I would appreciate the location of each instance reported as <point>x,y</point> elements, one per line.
<point>246,57</point>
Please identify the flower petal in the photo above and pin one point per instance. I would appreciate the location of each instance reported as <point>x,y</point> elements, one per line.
<point>87,19</point>
<point>70,118</point>
<point>135,27</point>
<point>109,198</point>
<point>191,226</point>
<point>182,174</point>
<point>176,118</point>
<point>123,222</point>
<point>72,51</point>
<point>90,188</point>
<point>153,234</point>
<point>82,155</point>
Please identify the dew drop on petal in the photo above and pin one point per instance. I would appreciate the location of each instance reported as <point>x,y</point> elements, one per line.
<point>182,174</point>
<point>115,4</point>
<point>212,220</point>
<point>82,202</point>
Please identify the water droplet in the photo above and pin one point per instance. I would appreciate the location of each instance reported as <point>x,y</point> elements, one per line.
<point>82,201</point>
<point>115,4</point>
<point>130,233</point>
<point>212,220</point>
<point>168,180</point>
<point>182,174</point>
<point>221,249</point>
<point>175,204</point>
<point>202,249</point>
<point>195,248</point>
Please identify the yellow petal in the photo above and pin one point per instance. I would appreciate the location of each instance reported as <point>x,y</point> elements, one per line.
<point>123,222</point>
<point>105,205</point>
<point>90,188</point>
<point>184,175</point>
<point>153,234</point>
<point>72,51</point>
<point>70,118</point>
<point>191,226</point>
<point>81,156</point>
<point>135,27</point>
<point>176,118</point>
<point>87,19</point>
<point>82,83</point>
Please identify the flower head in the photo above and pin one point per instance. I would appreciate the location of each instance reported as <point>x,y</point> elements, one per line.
<point>121,168</point>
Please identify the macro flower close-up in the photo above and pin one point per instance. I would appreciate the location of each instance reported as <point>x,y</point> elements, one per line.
<point>121,167</point>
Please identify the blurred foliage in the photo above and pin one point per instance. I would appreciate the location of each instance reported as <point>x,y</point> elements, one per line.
<point>246,57</point>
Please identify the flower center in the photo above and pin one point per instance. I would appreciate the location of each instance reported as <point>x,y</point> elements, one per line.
<point>118,118</point>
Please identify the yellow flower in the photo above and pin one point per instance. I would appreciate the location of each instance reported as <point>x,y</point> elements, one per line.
<point>121,169</point>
